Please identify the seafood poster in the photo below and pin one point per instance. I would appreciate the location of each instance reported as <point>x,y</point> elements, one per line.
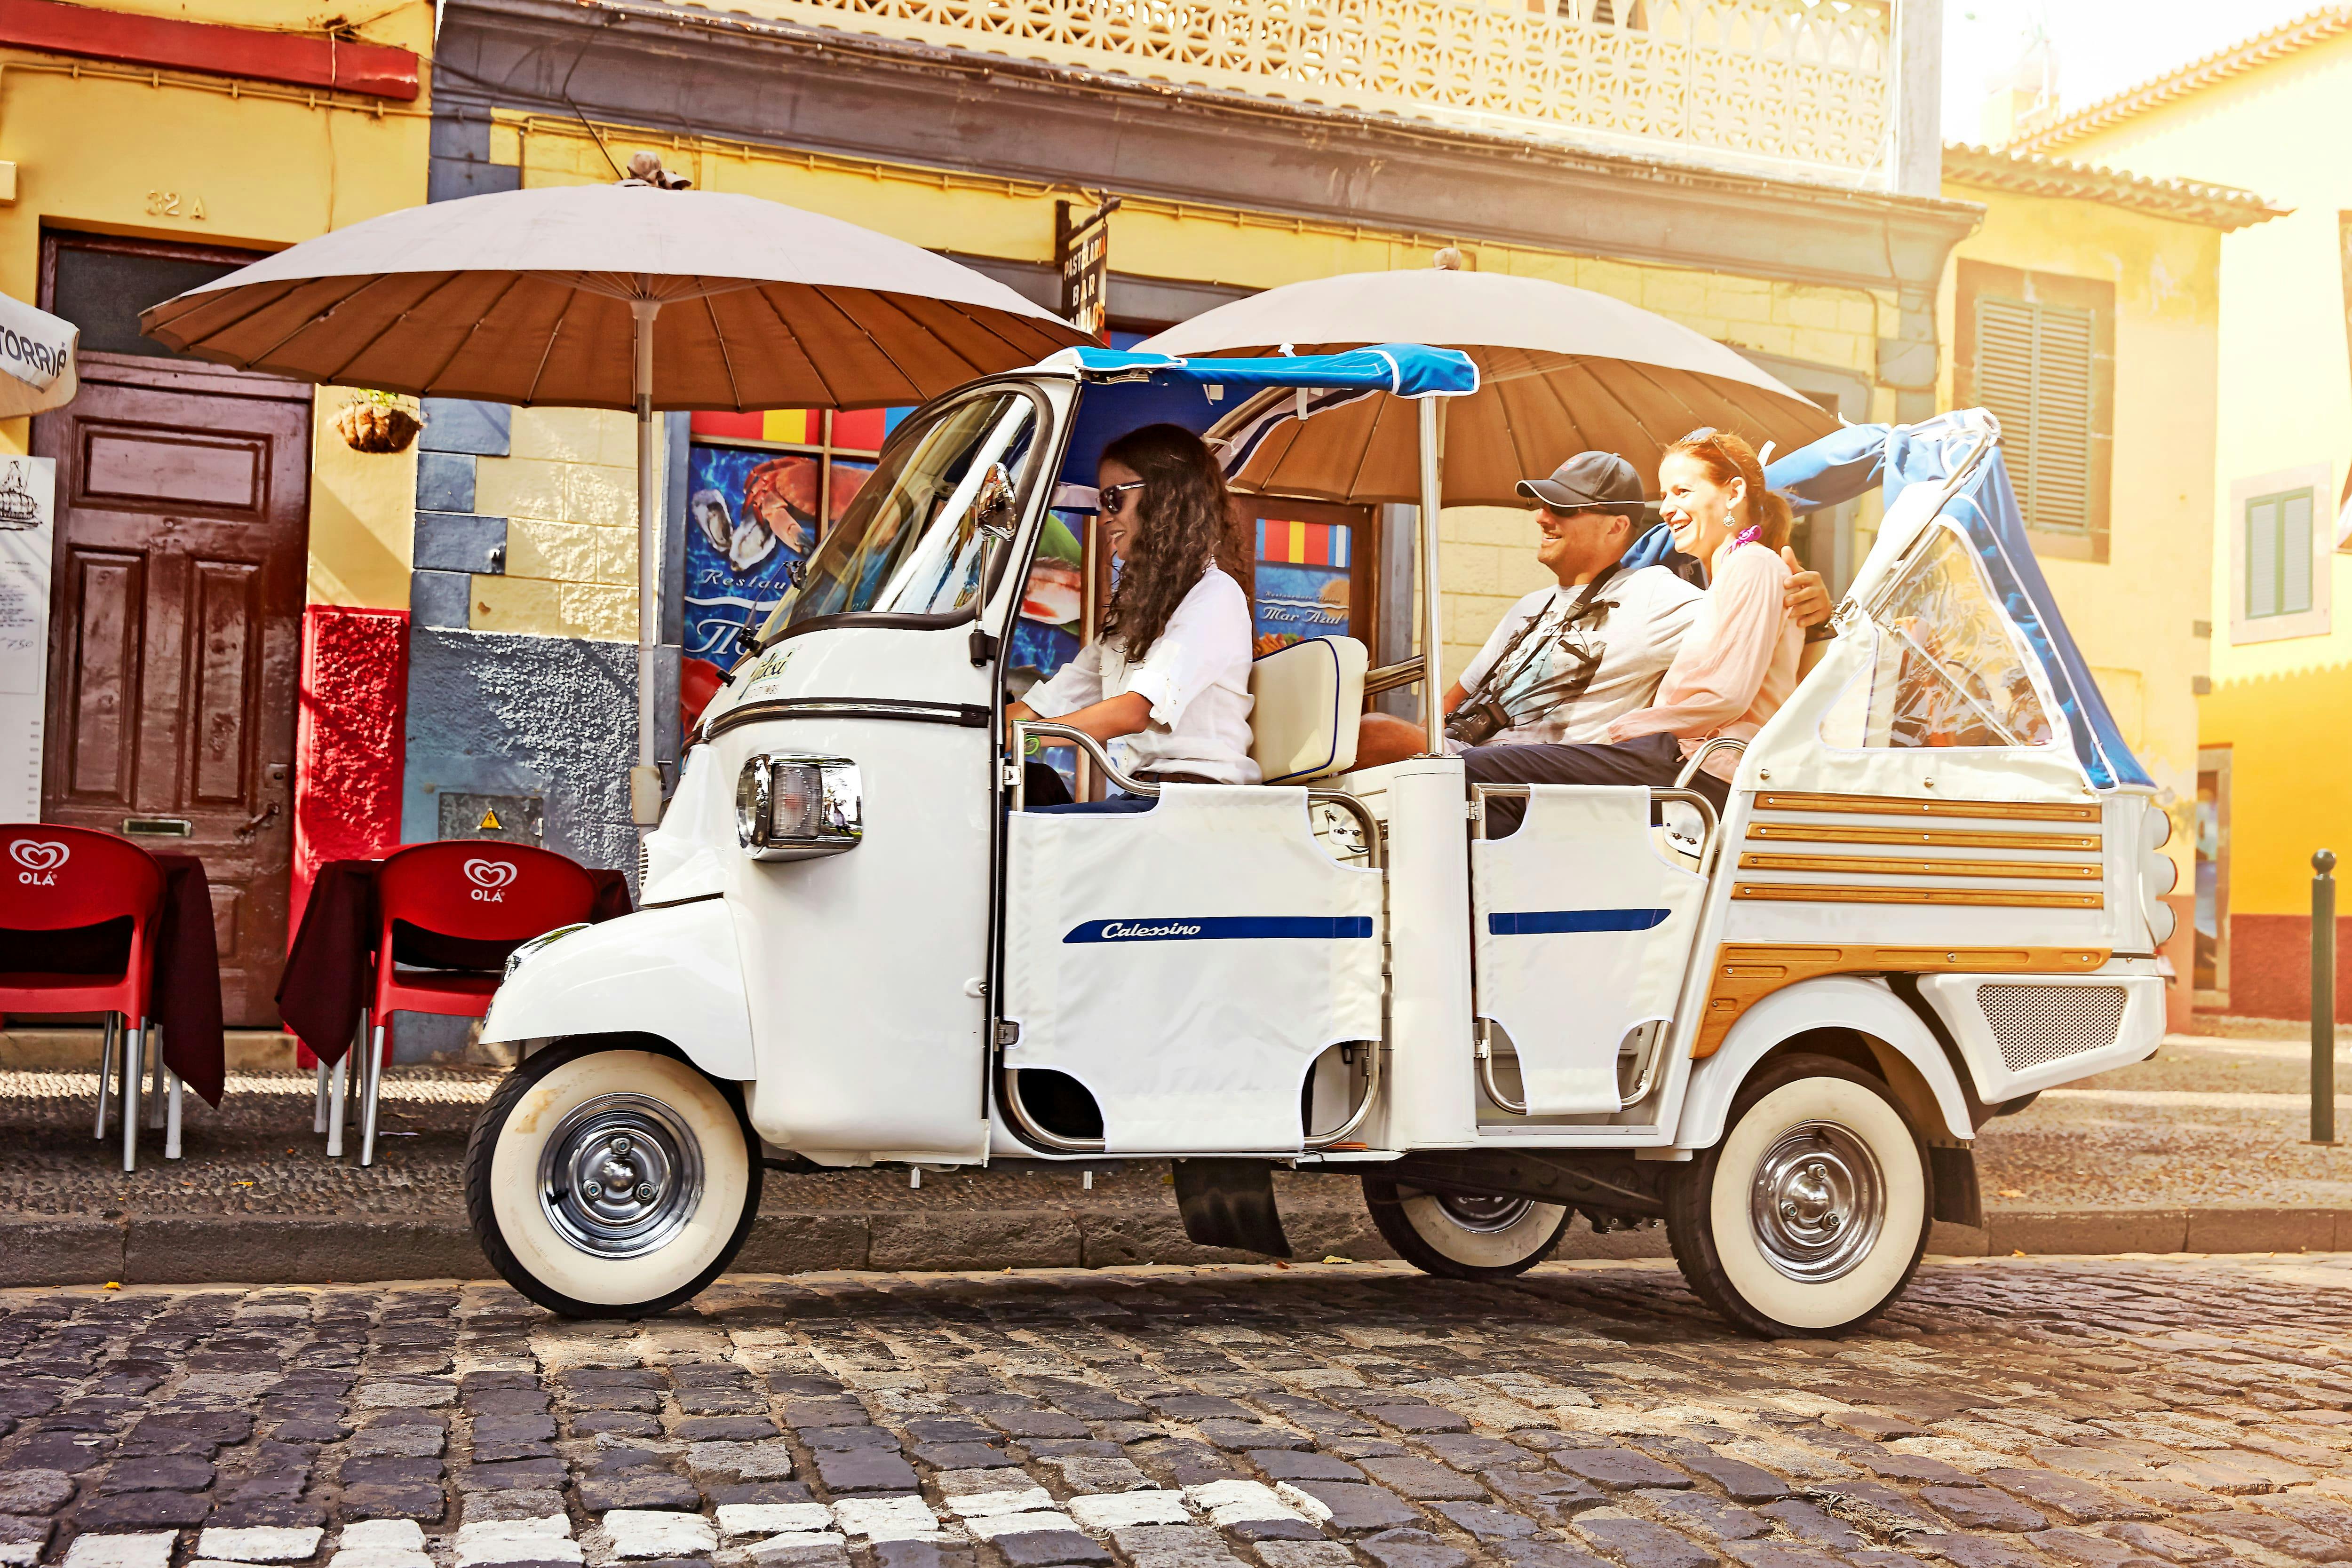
<point>1303,581</point>
<point>1053,606</point>
<point>27,531</point>
<point>751,514</point>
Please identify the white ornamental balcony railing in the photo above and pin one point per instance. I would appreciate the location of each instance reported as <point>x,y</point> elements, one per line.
<point>1798,87</point>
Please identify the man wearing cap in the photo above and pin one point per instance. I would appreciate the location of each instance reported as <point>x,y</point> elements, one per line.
<point>1566,660</point>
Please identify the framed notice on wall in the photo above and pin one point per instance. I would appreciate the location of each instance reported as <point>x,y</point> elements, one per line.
<point>27,528</point>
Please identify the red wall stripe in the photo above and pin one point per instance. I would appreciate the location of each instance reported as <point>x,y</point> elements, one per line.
<point>374,70</point>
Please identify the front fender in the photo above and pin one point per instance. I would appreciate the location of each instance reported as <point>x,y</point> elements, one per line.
<point>671,971</point>
<point>1833,1001</point>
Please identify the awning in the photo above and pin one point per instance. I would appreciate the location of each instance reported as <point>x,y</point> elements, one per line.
<point>1841,467</point>
<point>1400,369</point>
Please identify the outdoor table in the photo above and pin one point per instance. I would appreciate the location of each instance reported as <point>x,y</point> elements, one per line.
<point>185,992</point>
<point>330,968</point>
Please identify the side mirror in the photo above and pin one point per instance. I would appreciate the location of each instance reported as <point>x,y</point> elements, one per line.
<point>992,508</point>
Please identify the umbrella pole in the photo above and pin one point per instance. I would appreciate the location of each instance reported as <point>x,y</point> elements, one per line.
<point>1433,702</point>
<point>644,779</point>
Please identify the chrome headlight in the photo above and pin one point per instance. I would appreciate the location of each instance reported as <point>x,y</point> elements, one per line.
<point>790,807</point>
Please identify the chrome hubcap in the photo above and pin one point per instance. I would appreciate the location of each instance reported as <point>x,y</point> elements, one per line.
<point>1485,1215</point>
<point>1818,1202</point>
<point>620,1175</point>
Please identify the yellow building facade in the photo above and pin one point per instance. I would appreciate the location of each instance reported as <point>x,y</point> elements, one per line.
<point>2267,113</point>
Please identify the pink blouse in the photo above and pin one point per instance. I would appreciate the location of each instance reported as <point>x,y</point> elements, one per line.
<point>1737,665</point>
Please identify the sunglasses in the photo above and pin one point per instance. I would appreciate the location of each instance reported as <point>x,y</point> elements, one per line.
<point>1114,497</point>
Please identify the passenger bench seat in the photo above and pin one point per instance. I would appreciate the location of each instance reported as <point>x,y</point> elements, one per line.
<point>1308,699</point>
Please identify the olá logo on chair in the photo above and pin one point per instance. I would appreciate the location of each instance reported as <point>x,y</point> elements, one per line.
<point>39,859</point>
<point>490,879</point>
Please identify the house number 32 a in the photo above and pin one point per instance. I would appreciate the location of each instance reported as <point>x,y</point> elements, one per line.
<point>175,204</point>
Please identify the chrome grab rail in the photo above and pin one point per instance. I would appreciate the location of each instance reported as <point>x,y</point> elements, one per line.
<point>1698,758</point>
<point>1483,1028</point>
<point>1375,854</point>
<point>1388,677</point>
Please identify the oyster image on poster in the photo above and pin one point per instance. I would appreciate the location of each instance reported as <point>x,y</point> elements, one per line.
<point>27,530</point>
<point>752,515</point>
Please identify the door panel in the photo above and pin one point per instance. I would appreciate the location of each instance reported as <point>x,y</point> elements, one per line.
<point>183,521</point>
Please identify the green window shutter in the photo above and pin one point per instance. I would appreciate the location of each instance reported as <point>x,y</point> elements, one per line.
<point>2033,374</point>
<point>2278,554</point>
<point>2262,556</point>
<point>2295,552</point>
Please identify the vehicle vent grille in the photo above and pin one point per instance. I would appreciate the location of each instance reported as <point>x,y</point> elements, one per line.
<point>2038,1024</point>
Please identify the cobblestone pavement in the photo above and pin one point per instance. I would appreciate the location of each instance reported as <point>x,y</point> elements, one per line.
<point>2099,1414</point>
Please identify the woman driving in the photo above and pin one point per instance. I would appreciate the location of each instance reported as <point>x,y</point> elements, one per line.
<point>1169,678</point>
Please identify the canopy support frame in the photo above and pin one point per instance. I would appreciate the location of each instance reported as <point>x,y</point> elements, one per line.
<point>1432,704</point>
<point>644,779</point>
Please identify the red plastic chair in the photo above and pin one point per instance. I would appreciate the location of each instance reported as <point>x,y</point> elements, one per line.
<point>55,879</point>
<point>478,890</point>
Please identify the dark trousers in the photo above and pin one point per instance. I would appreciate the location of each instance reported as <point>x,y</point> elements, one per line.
<point>1046,791</point>
<point>1653,760</point>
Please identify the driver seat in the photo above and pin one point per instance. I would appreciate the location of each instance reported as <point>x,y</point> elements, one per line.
<point>1306,699</point>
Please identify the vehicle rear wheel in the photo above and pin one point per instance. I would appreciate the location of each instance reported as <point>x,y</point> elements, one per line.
<point>1811,1213</point>
<point>612,1177</point>
<point>1482,1237</point>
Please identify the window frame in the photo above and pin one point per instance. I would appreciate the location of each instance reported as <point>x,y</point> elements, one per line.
<point>1974,280</point>
<point>2318,479</point>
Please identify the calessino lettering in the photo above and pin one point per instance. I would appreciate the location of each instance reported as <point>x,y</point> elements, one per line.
<point>1113,930</point>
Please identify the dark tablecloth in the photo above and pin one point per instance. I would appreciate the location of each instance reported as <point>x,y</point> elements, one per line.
<point>187,994</point>
<point>330,968</point>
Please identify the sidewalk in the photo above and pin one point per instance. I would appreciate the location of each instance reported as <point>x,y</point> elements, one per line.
<point>2197,1150</point>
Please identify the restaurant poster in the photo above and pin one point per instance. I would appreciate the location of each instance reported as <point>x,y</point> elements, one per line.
<point>1303,582</point>
<point>27,532</point>
<point>751,514</point>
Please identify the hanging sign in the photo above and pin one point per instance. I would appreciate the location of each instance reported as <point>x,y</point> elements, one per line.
<point>27,528</point>
<point>1082,253</point>
<point>37,359</point>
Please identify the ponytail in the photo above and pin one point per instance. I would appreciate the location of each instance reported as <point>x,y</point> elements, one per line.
<point>1726,457</point>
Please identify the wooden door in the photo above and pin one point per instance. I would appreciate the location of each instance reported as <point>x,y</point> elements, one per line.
<point>174,633</point>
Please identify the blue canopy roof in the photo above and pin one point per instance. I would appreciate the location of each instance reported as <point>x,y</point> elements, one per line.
<point>1400,369</point>
<point>1841,467</point>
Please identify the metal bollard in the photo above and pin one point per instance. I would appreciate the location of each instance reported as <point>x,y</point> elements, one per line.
<point>2322,997</point>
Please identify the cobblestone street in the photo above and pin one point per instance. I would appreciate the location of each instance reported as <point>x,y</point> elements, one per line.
<point>2101,1413</point>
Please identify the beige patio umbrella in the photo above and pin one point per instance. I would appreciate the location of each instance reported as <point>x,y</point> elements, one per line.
<point>1562,371</point>
<point>638,296</point>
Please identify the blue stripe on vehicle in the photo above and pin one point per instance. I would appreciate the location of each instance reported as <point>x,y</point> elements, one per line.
<point>1556,922</point>
<point>1223,929</point>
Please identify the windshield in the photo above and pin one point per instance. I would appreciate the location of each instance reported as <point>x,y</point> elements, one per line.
<point>915,540</point>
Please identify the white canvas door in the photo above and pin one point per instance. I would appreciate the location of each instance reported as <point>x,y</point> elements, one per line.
<point>1187,964</point>
<point>1581,933</point>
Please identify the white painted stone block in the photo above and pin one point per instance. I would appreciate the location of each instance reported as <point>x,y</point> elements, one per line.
<point>1121,1510</point>
<point>379,1557</point>
<point>260,1543</point>
<point>547,1539</point>
<point>404,1534</point>
<point>650,1533</point>
<point>1237,1501</point>
<point>795,1540</point>
<point>991,1526</point>
<point>773,1518</point>
<point>149,1549</point>
<point>906,1518</point>
<point>1313,1507</point>
<point>555,1524</point>
<point>1016,1500</point>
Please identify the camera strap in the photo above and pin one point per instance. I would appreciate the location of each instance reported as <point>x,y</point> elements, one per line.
<point>1495,679</point>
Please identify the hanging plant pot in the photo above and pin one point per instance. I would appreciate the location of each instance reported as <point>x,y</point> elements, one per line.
<point>368,425</point>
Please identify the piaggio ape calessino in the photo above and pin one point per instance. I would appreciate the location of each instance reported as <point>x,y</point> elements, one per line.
<point>1935,890</point>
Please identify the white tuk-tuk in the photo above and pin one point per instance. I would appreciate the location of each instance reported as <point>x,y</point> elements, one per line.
<point>1935,890</point>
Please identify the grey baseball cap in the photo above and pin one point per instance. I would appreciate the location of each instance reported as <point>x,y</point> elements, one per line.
<point>1588,480</point>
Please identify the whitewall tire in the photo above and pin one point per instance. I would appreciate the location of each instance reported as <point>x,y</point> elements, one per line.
<point>1812,1214</point>
<point>610,1177</point>
<point>1465,1238</point>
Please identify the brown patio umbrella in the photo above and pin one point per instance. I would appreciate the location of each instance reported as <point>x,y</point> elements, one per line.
<point>632,296</point>
<point>1561,371</point>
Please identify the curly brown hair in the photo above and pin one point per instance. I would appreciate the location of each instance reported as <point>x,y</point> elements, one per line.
<point>1185,517</point>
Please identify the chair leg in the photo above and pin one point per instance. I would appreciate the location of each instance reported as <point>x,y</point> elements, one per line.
<point>132,1063</point>
<point>155,1070</point>
<point>319,1108</point>
<point>335,1085</point>
<point>172,1120</point>
<point>375,1093</point>
<point>106,1070</point>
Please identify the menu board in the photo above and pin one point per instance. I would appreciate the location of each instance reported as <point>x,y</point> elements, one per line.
<point>27,528</point>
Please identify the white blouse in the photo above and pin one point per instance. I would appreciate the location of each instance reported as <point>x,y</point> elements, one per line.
<point>1197,676</point>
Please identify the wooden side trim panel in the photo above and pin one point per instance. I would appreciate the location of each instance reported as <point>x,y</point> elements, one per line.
<point>1878,865</point>
<point>1906,806</point>
<point>1924,838</point>
<point>1746,973</point>
<point>1977,897</point>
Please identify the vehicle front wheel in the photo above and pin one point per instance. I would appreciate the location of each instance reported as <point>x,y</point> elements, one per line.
<point>1811,1213</point>
<point>1464,1237</point>
<point>611,1179</point>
